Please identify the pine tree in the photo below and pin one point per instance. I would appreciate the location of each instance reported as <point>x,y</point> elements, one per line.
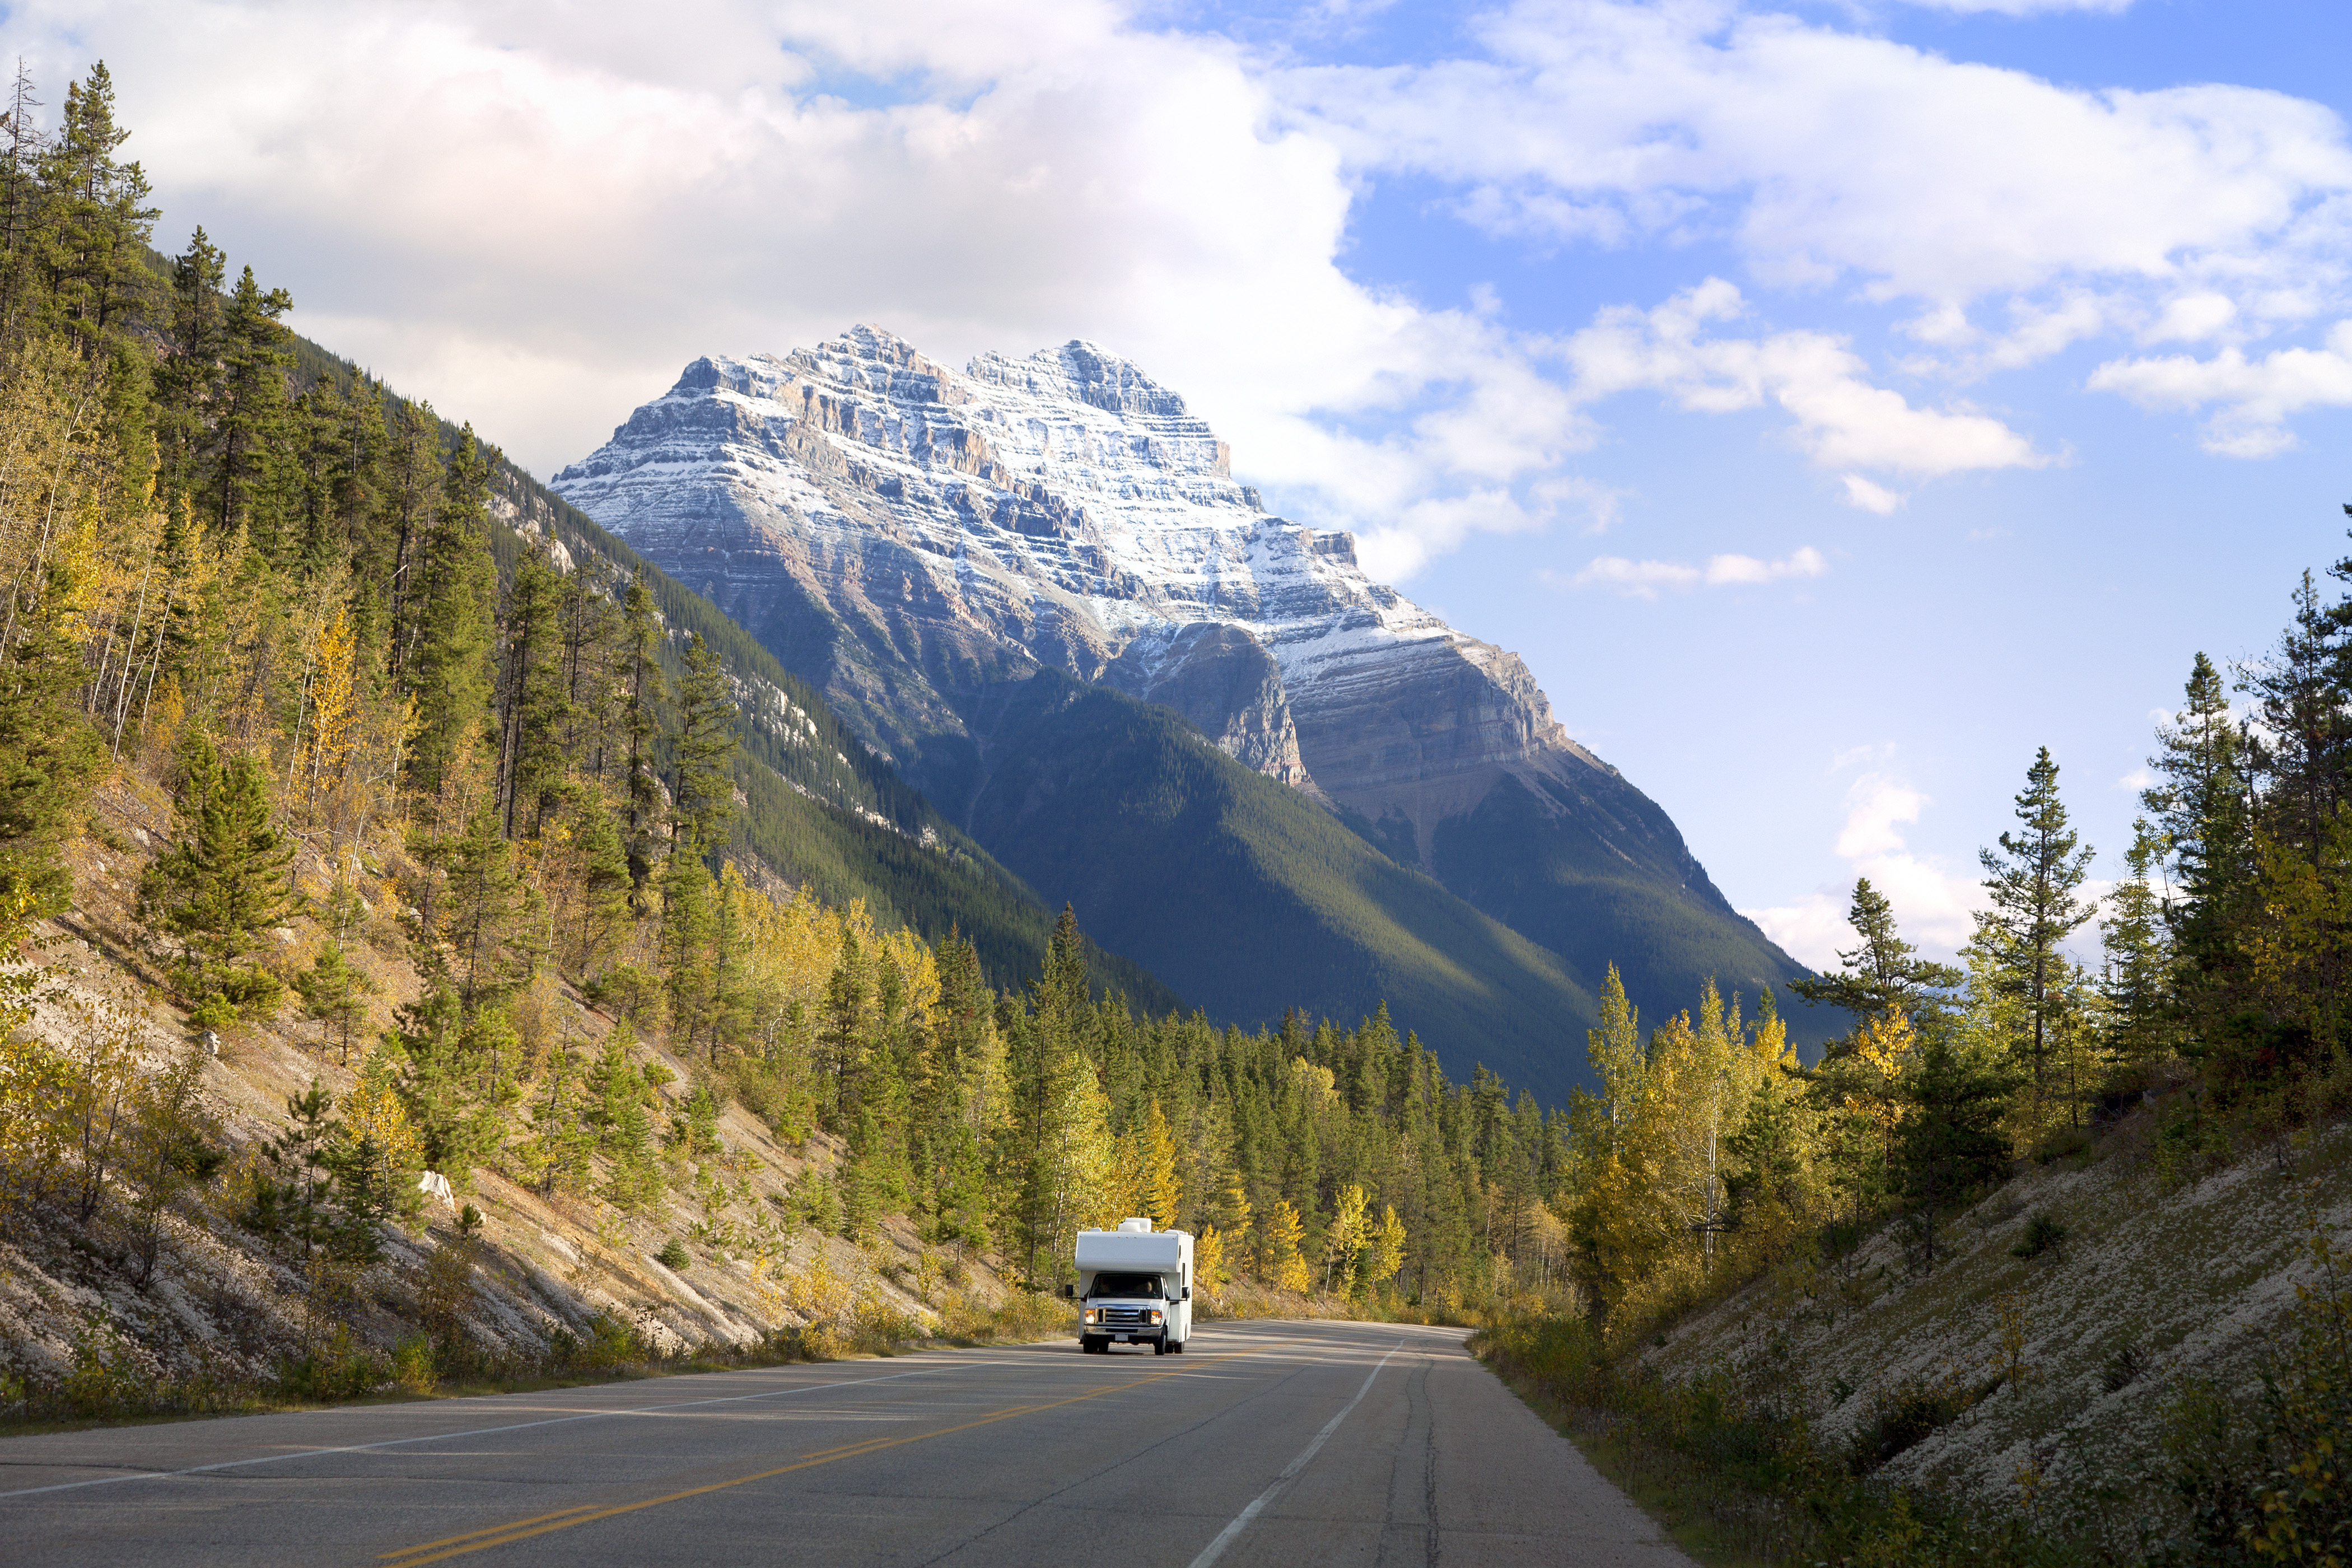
<point>189,380</point>
<point>2203,811</point>
<point>22,202</point>
<point>688,933</point>
<point>227,879</point>
<point>2135,978</point>
<point>563,1140</point>
<point>482,908</point>
<point>2032,883</point>
<point>600,916</point>
<point>620,1100</point>
<point>97,226</point>
<point>705,791</point>
<point>1951,1144</point>
<point>533,700</point>
<point>246,480</point>
<point>450,626</point>
<point>1885,973</point>
<point>641,642</point>
<point>413,473</point>
<point>335,993</point>
<point>459,1081</point>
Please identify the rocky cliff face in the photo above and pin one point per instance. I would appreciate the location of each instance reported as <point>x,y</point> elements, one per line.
<point>906,537</point>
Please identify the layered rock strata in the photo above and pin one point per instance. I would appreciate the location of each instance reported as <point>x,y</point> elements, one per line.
<point>908,537</point>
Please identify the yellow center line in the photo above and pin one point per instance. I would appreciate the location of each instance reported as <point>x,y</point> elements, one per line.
<point>492,1529</point>
<point>542,1524</point>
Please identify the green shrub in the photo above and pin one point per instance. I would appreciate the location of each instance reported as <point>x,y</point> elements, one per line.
<point>1902,1417</point>
<point>674,1256</point>
<point>2064,1143</point>
<point>2042,1234</point>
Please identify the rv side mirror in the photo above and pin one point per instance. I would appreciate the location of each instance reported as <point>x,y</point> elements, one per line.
<point>1188,1292</point>
<point>1068,1291</point>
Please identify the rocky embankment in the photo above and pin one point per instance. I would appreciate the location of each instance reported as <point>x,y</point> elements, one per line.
<point>228,1304</point>
<point>2046,1352</point>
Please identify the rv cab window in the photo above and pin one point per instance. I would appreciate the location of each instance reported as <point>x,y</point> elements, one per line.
<point>1129,1284</point>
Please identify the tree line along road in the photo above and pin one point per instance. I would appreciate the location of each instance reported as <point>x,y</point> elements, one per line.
<point>1290,1444</point>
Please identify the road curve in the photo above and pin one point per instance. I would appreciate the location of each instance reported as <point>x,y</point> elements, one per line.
<point>1279,1444</point>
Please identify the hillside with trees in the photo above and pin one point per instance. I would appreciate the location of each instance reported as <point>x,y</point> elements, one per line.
<point>409,880</point>
<point>562,1018</point>
<point>2042,1261</point>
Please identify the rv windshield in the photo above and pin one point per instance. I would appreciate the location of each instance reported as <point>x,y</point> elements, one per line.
<point>1127,1285</point>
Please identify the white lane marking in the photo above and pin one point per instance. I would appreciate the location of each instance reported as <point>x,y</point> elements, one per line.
<point>1225,1537</point>
<point>480,1431</point>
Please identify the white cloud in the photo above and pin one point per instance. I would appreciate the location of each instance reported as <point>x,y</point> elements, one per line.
<point>1860,492</point>
<point>2024,7</point>
<point>1935,906</point>
<point>2017,214</point>
<point>1805,562</point>
<point>2256,397</point>
<point>1841,419</point>
<point>1642,579</point>
<point>536,221</point>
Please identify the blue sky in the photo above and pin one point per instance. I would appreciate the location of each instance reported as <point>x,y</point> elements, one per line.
<point>1833,403</point>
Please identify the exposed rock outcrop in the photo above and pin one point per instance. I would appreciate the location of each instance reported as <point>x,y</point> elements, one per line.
<point>908,537</point>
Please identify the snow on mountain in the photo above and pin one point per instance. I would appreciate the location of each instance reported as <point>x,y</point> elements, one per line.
<point>955,528</point>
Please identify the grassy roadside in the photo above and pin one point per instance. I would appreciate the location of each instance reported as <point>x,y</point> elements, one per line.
<point>102,1392</point>
<point>1715,1521</point>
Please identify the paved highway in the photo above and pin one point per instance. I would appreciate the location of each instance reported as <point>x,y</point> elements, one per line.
<point>1289,1444</point>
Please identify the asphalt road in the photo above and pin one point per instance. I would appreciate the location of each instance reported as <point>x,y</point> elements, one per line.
<point>1289,1444</point>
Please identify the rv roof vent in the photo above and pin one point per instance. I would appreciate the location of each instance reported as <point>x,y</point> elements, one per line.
<point>1136,1226</point>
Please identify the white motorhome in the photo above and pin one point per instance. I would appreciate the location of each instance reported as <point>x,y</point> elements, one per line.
<point>1135,1285</point>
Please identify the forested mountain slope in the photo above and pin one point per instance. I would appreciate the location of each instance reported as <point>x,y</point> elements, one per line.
<point>1251,897</point>
<point>821,807</point>
<point>375,878</point>
<point>910,538</point>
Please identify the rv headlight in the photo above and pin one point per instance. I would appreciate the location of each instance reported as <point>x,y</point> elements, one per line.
<point>1094,1314</point>
<point>1154,1316</point>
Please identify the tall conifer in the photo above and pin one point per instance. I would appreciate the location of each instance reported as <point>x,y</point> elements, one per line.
<point>2032,881</point>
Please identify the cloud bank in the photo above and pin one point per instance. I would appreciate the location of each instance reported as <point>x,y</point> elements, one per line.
<point>535,219</point>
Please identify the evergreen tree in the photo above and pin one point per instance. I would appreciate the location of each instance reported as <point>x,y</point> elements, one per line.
<point>600,915</point>
<point>189,380</point>
<point>619,1100</point>
<point>705,791</point>
<point>2033,883</point>
<point>246,481</point>
<point>22,202</point>
<point>95,224</point>
<point>413,474</point>
<point>641,642</point>
<point>1885,973</point>
<point>334,993</point>
<point>2135,978</point>
<point>483,906</point>
<point>227,879</point>
<point>450,622</point>
<point>2203,811</point>
<point>688,935</point>
<point>533,699</point>
<point>1951,1144</point>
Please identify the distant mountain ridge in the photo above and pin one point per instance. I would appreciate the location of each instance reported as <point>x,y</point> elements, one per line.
<point>910,538</point>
